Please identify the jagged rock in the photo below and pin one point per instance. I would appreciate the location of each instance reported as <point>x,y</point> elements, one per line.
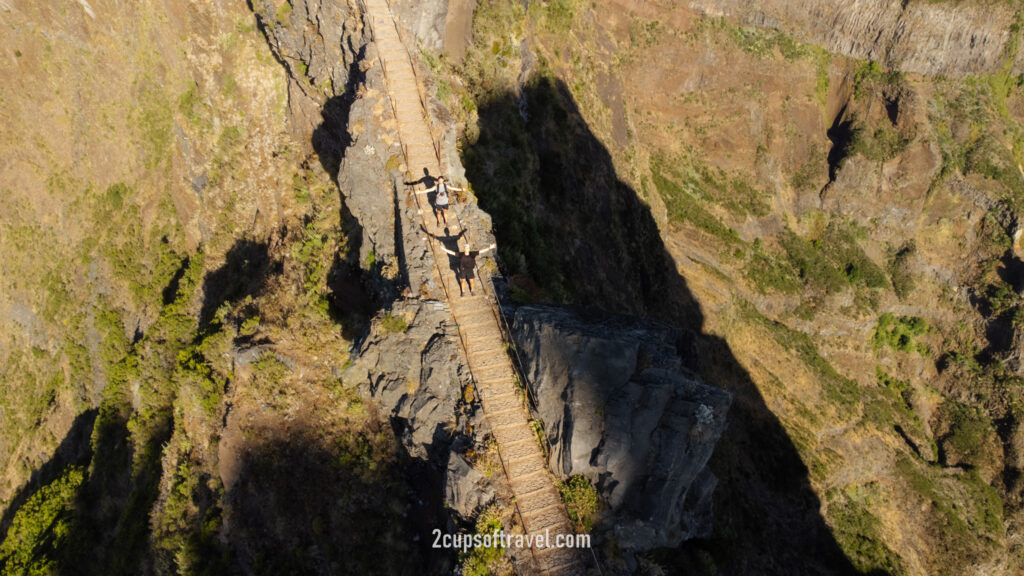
<point>318,43</point>
<point>417,374</point>
<point>927,38</point>
<point>619,408</point>
<point>426,21</point>
<point>466,489</point>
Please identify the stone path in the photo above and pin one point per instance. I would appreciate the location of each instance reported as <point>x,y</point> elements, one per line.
<point>537,499</point>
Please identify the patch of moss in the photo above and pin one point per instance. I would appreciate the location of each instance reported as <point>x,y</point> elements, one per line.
<point>394,324</point>
<point>283,14</point>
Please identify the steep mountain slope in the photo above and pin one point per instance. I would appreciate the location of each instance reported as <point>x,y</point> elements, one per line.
<point>213,360</point>
<point>844,234</point>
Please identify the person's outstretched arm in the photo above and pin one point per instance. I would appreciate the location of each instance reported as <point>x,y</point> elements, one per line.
<point>427,190</point>
<point>489,248</point>
<point>450,253</point>
<point>456,189</point>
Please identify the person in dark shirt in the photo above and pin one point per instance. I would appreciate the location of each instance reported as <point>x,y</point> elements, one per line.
<point>467,265</point>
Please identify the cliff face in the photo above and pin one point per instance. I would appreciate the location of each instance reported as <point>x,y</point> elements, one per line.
<point>939,38</point>
<point>619,408</point>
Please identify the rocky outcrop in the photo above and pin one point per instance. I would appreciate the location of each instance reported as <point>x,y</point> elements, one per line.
<point>619,408</point>
<point>948,38</point>
<point>412,365</point>
<point>466,489</point>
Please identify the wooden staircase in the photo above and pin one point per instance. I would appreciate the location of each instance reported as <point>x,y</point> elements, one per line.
<point>538,502</point>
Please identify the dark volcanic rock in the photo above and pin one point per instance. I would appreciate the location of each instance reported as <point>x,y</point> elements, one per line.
<point>466,489</point>
<point>619,408</point>
<point>416,374</point>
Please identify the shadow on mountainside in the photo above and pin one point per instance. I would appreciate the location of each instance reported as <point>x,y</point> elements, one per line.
<point>73,450</point>
<point>308,502</point>
<point>563,218</point>
<point>247,265</point>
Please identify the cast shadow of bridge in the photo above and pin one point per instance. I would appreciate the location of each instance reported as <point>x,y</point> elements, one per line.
<point>562,216</point>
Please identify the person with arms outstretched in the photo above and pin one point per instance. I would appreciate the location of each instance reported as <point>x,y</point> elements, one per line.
<point>467,265</point>
<point>441,201</point>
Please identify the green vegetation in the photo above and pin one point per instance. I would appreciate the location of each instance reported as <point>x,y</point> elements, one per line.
<point>900,271</point>
<point>762,43</point>
<point>966,513</point>
<point>840,391</point>
<point>808,175</point>
<point>486,560</point>
<point>771,273</point>
<point>859,533</point>
<point>145,260</point>
<point>827,263</point>
<point>691,178</point>
<point>581,501</point>
<point>683,201</point>
<point>155,121</point>
<point>899,332</point>
<point>41,527</point>
<point>871,76</point>
<point>189,104</point>
<point>880,145</point>
<point>893,407</point>
<point>538,428</point>
<point>269,370</point>
<point>557,15</point>
<point>971,435</point>
<point>394,324</point>
<point>283,13</point>
<point>195,371</point>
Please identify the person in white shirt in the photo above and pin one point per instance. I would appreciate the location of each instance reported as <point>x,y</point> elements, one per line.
<point>441,200</point>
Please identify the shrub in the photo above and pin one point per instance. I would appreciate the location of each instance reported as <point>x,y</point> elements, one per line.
<point>899,270</point>
<point>581,501</point>
<point>40,527</point>
<point>899,333</point>
<point>485,560</point>
<point>858,533</point>
<point>969,432</point>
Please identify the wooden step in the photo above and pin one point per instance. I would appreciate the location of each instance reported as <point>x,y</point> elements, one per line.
<point>520,449</point>
<point>546,519</point>
<point>563,561</point>
<point>511,417</point>
<point>530,483</point>
<point>513,434</point>
<point>508,401</point>
<point>540,499</point>
<point>485,347</point>
<point>525,466</point>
